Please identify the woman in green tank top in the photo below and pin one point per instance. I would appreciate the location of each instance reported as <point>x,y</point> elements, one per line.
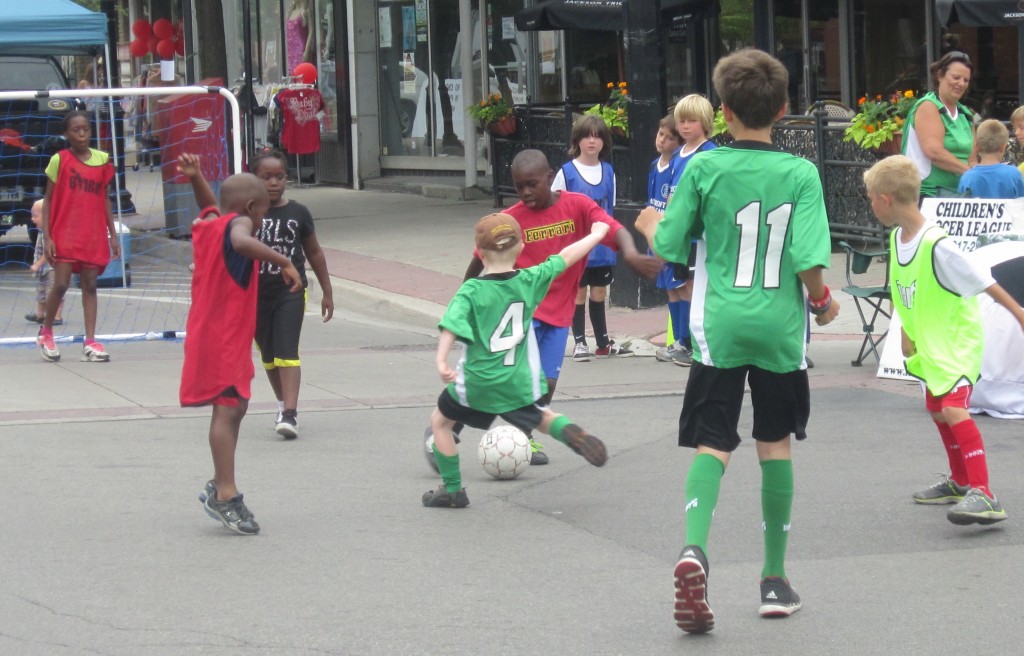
<point>939,135</point>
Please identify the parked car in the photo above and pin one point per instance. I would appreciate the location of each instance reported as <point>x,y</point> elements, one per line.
<point>29,134</point>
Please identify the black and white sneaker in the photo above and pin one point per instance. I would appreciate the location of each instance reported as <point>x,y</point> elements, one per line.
<point>692,612</point>
<point>209,491</point>
<point>233,514</point>
<point>288,424</point>
<point>778,598</point>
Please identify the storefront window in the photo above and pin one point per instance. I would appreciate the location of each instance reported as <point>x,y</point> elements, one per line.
<point>889,47</point>
<point>821,79</point>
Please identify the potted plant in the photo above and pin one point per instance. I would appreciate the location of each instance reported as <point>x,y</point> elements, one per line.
<point>615,111</point>
<point>878,126</point>
<point>495,115</point>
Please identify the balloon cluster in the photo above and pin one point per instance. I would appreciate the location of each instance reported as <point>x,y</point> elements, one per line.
<point>161,38</point>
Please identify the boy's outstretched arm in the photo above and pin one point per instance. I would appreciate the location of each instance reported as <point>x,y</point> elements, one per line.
<point>647,224</point>
<point>814,281</point>
<point>444,347</point>
<point>578,250</point>
<point>188,166</point>
<point>1002,297</point>
<point>645,265</point>
<point>244,243</point>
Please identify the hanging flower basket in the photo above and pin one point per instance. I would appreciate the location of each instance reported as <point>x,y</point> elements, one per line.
<point>891,147</point>
<point>503,127</point>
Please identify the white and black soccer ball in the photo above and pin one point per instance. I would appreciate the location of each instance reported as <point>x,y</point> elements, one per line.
<point>504,452</point>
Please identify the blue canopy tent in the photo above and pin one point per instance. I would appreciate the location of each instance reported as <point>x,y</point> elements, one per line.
<point>51,27</point>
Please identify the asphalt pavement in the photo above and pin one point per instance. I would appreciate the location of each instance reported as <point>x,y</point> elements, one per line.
<point>105,549</point>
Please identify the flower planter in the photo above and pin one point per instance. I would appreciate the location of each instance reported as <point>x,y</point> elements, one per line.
<point>619,135</point>
<point>891,147</point>
<point>503,127</point>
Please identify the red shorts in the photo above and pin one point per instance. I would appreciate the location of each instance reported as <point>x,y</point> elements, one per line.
<point>958,398</point>
<point>78,265</point>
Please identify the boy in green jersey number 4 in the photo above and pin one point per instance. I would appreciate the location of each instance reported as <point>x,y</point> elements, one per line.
<point>500,370</point>
<point>933,289</point>
<point>758,216</point>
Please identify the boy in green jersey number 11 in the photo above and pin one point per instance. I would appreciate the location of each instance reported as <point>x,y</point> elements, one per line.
<point>500,371</point>
<point>758,216</point>
<point>933,289</point>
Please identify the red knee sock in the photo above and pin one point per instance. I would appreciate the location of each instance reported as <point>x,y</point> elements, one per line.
<point>957,471</point>
<point>972,449</point>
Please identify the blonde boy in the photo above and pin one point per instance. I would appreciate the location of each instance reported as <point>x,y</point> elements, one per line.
<point>933,285</point>
<point>991,178</point>
<point>500,372</point>
<point>1017,122</point>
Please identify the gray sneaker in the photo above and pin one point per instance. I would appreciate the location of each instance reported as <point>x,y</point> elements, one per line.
<point>209,491</point>
<point>664,354</point>
<point>683,357</point>
<point>232,514</point>
<point>778,598</point>
<point>976,508</point>
<point>692,612</point>
<point>943,492</point>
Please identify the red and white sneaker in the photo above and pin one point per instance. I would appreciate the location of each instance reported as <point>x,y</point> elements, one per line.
<point>47,348</point>
<point>94,352</point>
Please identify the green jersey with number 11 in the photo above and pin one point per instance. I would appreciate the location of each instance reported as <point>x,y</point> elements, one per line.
<point>759,217</point>
<point>500,367</point>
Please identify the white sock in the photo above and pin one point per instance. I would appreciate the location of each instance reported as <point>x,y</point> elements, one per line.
<point>280,406</point>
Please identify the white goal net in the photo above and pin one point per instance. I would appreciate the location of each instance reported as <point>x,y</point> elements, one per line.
<point>145,294</point>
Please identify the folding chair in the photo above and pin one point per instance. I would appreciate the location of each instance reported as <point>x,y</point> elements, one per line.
<point>870,300</point>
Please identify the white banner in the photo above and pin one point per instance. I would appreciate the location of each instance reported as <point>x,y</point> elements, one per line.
<point>964,220</point>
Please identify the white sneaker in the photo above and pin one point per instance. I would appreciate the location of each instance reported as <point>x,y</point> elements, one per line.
<point>580,353</point>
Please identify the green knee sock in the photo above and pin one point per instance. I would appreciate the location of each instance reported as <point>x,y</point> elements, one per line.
<point>449,468</point>
<point>702,485</point>
<point>776,509</point>
<point>558,425</point>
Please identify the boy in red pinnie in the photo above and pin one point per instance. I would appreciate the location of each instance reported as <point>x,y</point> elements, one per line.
<point>218,368</point>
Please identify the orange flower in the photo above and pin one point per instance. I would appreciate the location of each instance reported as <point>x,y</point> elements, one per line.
<point>610,85</point>
<point>898,120</point>
<point>622,85</point>
<point>863,99</point>
<point>908,94</point>
<point>624,92</point>
<point>869,128</point>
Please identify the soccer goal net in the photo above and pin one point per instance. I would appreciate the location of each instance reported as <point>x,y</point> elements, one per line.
<point>144,294</point>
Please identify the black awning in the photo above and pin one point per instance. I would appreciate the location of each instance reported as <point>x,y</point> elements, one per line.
<point>597,15</point>
<point>981,13</point>
<point>601,15</point>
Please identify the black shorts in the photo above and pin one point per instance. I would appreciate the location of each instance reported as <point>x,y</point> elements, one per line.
<point>278,326</point>
<point>525,419</point>
<point>711,406</point>
<point>599,276</point>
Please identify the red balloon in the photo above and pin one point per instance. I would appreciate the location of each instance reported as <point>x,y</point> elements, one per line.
<point>179,47</point>
<point>151,44</point>
<point>142,29</point>
<point>306,72</point>
<point>139,48</point>
<point>162,28</point>
<point>165,49</point>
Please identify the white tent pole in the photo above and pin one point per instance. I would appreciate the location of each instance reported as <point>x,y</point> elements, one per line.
<point>113,148</point>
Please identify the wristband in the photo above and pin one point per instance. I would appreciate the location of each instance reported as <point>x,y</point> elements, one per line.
<point>821,306</point>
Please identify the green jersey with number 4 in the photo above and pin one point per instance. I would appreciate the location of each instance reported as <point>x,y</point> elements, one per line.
<point>500,367</point>
<point>758,214</point>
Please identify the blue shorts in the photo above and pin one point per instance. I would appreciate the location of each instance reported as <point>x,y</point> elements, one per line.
<point>667,277</point>
<point>551,344</point>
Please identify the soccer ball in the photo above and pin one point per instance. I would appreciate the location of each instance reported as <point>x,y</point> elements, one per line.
<point>504,452</point>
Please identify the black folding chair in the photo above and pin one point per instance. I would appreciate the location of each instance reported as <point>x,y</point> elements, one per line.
<point>871,301</point>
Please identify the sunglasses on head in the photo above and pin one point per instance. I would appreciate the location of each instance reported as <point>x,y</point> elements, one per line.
<point>956,55</point>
